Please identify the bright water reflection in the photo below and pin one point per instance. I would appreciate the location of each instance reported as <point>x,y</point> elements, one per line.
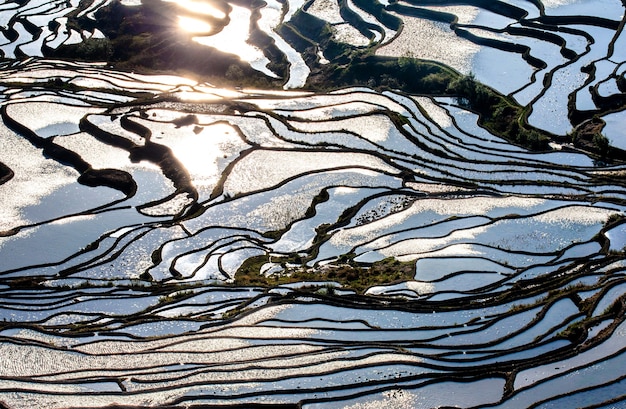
<point>202,8</point>
<point>234,38</point>
<point>193,25</point>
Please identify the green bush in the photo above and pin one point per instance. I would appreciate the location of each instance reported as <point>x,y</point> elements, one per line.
<point>95,49</point>
<point>601,143</point>
<point>472,94</point>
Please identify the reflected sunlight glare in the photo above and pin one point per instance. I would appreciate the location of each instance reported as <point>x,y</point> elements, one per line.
<point>193,25</point>
<point>202,7</point>
<point>233,39</point>
<point>200,153</point>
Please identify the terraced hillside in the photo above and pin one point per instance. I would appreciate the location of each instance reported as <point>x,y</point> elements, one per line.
<point>358,233</point>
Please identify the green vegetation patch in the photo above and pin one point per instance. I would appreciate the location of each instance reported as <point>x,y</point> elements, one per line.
<point>501,115</point>
<point>346,273</point>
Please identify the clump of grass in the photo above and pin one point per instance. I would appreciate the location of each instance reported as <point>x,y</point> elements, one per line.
<point>576,332</point>
<point>347,273</point>
<point>178,295</point>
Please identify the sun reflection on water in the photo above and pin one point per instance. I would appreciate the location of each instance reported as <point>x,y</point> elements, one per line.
<point>202,152</point>
<point>202,7</point>
<point>233,39</point>
<point>193,25</point>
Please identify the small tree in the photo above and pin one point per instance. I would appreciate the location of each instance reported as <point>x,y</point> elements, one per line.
<point>601,143</point>
<point>234,73</point>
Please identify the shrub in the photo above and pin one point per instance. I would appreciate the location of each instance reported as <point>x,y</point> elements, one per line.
<point>601,143</point>
<point>94,49</point>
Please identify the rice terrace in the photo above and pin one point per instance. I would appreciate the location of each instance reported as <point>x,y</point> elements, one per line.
<point>312,204</point>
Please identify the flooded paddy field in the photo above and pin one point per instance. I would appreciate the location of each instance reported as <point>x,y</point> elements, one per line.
<point>166,242</point>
